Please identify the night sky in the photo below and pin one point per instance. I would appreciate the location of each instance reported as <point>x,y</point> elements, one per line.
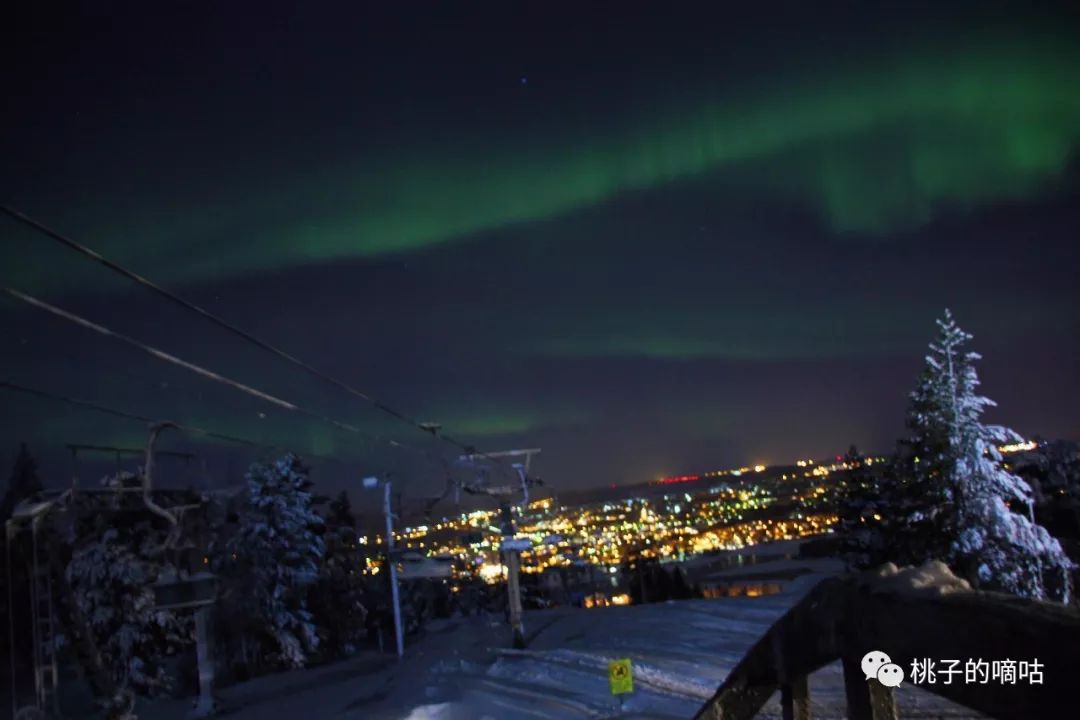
<point>647,243</point>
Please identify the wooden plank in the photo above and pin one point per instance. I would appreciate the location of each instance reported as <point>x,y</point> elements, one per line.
<point>797,644</point>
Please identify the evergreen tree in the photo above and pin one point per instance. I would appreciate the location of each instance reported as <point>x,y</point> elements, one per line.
<point>24,482</point>
<point>271,561</point>
<point>1053,468</point>
<point>680,588</point>
<point>658,583</point>
<point>919,495</point>
<point>635,568</point>
<point>337,599</point>
<point>859,508</point>
<point>113,567</point>
<point>1053,471</point>
<point>341,515</point>
<point>957,501</point>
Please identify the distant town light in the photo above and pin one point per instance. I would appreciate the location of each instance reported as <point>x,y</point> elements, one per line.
<point>491,572</point>
<point>1019,447</point>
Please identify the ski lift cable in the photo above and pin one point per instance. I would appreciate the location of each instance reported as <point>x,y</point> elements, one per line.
<point>75,360</point>
<point>88,405</point>
<point>120,374</point>
<point>207,315</point>
<point>197,369</point>
<point>184,427</point>
<point>173,359</point>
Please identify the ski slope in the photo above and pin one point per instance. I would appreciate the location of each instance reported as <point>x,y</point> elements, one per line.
<point>681,651</point>
<point>463,669</point>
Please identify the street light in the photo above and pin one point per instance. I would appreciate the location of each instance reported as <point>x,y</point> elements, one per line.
<point>371,483</point>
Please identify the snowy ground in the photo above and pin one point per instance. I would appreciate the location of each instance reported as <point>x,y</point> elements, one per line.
<point>681,651</point>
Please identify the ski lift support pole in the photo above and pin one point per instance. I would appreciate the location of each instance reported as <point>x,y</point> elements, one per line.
<point>510,546</point>
<point>8,535</point>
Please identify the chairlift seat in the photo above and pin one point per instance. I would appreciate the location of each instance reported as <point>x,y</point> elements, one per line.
<point>195,591</point>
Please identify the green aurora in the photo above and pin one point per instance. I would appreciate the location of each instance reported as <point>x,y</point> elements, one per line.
<point>682,243</point>
<point>869,149</point>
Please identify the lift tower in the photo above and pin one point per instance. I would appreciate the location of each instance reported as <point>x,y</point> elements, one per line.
<point>511,547</point>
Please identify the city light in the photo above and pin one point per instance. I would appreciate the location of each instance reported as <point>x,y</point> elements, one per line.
<point>715,511</point>
<point>1019,447</point>
<point>490,572</point>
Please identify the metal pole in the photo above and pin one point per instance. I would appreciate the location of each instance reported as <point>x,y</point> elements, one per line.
<point>513,567</point>
<point>74,467</point>
<point>35,615</point>
<point>9,534</point>
<point>204,704</point>
<point>393,569</point>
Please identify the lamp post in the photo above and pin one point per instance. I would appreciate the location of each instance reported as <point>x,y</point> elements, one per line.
<point>370,483</point>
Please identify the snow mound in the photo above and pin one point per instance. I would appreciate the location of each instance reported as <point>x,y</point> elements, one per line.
<point>646,675</point>
<point>932,577</point>
<point>672,683</point>
<point>430,712</point>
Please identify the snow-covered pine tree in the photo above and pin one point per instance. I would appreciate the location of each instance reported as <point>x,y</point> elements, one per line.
<point>112,569</point>
<point>273,559</point>
<point>968,498</point>
<point>920,517</point>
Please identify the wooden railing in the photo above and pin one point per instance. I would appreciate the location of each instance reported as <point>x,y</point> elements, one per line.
<point>844,618</point>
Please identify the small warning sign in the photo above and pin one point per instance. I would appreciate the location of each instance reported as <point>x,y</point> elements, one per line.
<point>620,676</point>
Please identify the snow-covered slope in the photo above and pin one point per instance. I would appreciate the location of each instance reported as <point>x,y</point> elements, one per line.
<point>681,651</point>
<point>461,669</point>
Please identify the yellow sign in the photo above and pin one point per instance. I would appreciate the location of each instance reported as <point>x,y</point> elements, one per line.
<point>620,676</point>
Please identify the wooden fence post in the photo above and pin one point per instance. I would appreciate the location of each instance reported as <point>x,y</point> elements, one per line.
<point>866,699</point>
<point>795,699</point>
